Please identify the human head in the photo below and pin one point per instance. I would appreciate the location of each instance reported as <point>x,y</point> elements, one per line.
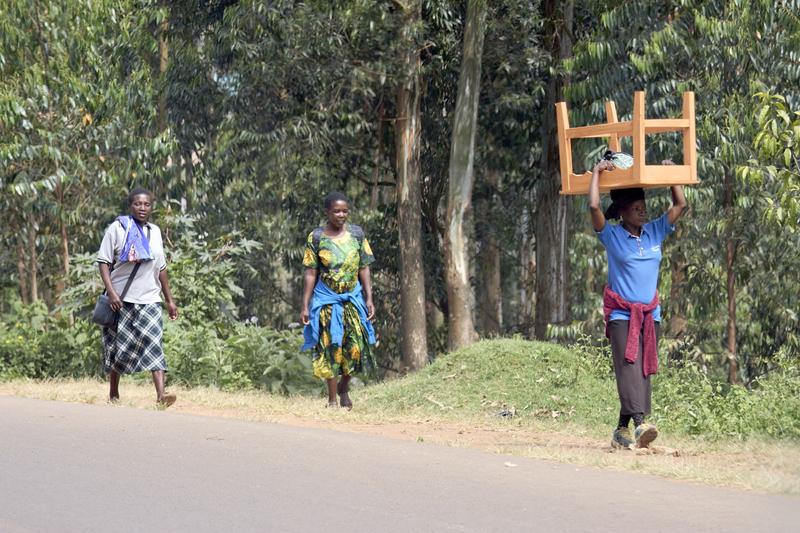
<point>336,209</point>
<point>140,204</point>
<point>629,205</point>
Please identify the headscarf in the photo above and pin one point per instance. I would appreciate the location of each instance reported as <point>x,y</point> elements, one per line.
<point>136,247</point>
<point>622,198</point>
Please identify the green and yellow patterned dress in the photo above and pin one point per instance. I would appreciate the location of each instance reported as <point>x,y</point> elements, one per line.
<point>338,261</point>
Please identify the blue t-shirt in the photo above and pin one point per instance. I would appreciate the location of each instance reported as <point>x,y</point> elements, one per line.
<point>633,262</point>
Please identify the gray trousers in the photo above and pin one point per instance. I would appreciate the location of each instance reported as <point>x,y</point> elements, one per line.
<point>633,388</point>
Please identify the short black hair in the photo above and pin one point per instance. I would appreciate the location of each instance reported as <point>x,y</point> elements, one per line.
<point>622,198</point>
<point>334,197</point>
<point>136,191</point>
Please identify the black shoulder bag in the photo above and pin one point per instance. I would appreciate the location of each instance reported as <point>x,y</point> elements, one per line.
<point>103,315</point>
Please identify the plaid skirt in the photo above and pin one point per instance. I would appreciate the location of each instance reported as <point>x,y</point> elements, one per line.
<point>135,346</point>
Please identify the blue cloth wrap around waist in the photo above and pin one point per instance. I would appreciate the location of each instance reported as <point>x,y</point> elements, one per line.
<point>324,295</point>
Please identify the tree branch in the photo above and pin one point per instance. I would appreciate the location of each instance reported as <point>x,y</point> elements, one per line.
<point>380,183</point>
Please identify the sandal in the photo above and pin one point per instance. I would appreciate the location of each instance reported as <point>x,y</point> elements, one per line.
<point>167,400</point>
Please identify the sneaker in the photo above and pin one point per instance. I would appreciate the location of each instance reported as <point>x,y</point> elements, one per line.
<point>645,434</point>
<point>622,439</point>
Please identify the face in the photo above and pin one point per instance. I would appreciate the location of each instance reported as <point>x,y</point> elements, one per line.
<point>337,214</point>
<point>635,213</point>
<point>141,207</point>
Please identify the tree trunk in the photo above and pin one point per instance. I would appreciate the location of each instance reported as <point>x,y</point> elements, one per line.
<point>490,308</point>
<point>377,159</point>
<point>552,209</point>
<point>678,303</point>
<point>163,63</point>
<point>61,284</point>
<point>22,273</point>
<point>34,260</point>
<point>677,295</point>
<point>413,329</point>
<point>730,260</point>
<point>733,369</point>
<point>460,326</point>
<point>527,266</point>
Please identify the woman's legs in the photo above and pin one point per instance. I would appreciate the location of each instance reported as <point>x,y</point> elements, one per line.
<point>332,386</point>
<point>113,390</point>
<point>161,396</point>
<point>633,387</point>
<point>343,389</point>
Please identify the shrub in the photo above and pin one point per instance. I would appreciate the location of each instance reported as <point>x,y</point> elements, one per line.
<point>37,344</point>
<point>250,357</point>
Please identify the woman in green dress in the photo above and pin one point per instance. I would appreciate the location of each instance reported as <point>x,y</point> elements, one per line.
<point>337,300</point>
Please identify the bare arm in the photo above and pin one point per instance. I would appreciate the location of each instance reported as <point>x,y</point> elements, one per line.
<point>678,199</point>
<point>598,219</point>
<point>309,280</point>
<point>365,278</point>
<point>678,204</point>
<point>172,308</point>
<point>113,298</point>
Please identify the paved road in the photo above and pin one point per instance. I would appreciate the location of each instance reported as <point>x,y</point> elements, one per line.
<point>83,468</point>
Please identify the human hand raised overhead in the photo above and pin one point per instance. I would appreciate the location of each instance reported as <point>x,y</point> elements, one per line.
<point>602,165</point>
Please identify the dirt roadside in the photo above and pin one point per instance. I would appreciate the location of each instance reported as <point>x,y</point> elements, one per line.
<point>771,467</point>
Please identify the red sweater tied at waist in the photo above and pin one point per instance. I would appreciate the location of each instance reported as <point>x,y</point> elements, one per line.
<point>641,315</point>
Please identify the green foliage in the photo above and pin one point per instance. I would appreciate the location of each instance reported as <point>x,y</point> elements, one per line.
<point>263,107</point>
<point>250,357</point>
<point>35,344</point>
<point>726,51</point>
<point>687,400</point>
<point>776,169</point>
<point>204,271</point>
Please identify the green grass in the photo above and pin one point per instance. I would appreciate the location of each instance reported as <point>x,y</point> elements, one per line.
<point>566,388</point>
<point>533,380</point>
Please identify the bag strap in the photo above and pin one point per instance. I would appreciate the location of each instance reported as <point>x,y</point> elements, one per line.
<point>358,233</point>
<point>133,274</point>
<point>316,236</point>
<point>130,280</point>
<point>355,230</point>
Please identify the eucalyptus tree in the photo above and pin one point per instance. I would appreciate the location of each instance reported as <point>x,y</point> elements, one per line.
<point>461,329</point>
<point>408,145</point>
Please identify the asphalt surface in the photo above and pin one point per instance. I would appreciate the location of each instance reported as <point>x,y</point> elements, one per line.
<point>86,468</point>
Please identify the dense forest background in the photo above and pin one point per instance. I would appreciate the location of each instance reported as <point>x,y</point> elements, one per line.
<point>241,115</point>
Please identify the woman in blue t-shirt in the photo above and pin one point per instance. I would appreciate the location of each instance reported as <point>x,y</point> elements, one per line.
<point>630,300</point>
